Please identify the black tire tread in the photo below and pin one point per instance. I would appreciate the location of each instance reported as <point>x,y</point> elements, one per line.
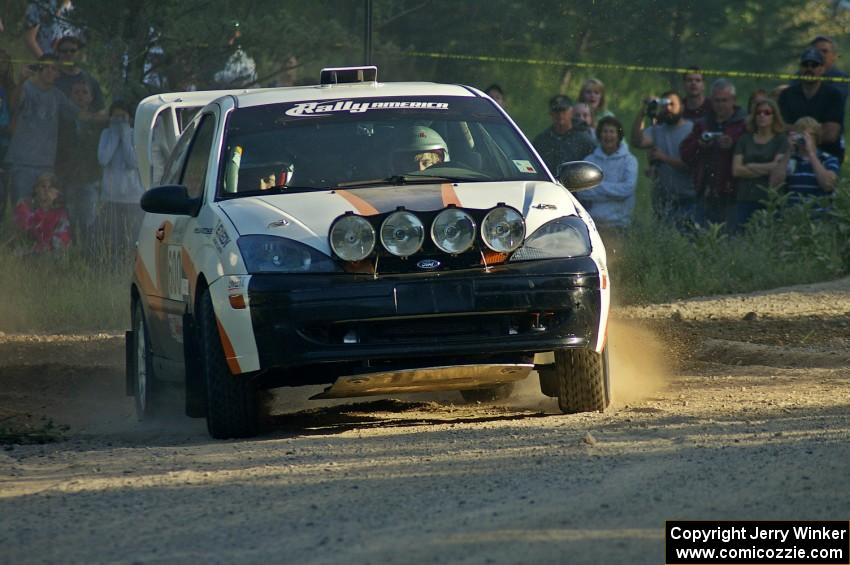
<point>581,375</point>
<point>232,409</point>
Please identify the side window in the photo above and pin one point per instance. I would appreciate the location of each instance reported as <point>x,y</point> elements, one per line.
<point>195,173</point>
<point>174,164</point>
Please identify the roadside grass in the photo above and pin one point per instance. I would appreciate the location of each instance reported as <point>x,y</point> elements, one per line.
<point>782,245</point>
<point>88,292</point>
<point>60,293</point>
<point>43,431</point>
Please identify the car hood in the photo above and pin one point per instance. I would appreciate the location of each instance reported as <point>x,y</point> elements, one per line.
<point>307,216</point>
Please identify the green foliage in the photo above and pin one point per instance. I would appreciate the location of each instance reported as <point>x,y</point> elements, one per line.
<point>781,245</point>
<point>14,432</point>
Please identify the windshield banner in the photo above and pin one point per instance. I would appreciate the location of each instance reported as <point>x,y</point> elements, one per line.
<point>352,107</point>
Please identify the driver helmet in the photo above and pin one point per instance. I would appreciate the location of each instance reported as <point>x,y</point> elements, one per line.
<point>416,141</point>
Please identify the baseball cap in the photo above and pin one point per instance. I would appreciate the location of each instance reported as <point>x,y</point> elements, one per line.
<point>811,55</point>
<point>559,103</point>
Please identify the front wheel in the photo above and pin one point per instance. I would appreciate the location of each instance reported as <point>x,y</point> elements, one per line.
<point>583,380</point>
<point>232,406</point>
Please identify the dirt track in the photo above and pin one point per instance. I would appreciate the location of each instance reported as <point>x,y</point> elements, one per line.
<point>730,418</point>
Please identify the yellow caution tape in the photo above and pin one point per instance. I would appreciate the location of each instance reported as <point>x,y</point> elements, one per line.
<point>614,66</point>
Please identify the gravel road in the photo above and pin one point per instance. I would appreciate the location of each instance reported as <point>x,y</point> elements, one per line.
<point>735,407</point>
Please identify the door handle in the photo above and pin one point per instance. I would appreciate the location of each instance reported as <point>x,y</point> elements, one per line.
<point>160,232</point>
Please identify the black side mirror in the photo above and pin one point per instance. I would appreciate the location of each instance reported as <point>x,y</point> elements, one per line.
<point>170,199</point>
<point>579,175</point>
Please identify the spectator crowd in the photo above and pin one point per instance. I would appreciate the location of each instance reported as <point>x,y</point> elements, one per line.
<point>709,159</point>
<point>69,168</point>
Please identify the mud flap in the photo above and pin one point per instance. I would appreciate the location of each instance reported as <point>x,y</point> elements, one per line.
<point>129,356</point>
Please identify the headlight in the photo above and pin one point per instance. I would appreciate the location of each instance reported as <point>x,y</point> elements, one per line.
<point>453,231</point>
<point>564,237</point>
<point>271,254</point>
<point>402,233</point>
<point>352,237</point>
<point>503,229</point>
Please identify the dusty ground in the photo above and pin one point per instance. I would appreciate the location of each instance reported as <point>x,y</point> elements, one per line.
<point>727,408</point>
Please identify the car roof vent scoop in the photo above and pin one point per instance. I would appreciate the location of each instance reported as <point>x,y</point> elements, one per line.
<point>348,75</point>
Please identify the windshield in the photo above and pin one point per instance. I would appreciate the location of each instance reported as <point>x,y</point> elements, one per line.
<point>371,142</point>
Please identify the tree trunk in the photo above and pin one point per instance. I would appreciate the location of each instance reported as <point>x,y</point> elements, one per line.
<point>581,48</point>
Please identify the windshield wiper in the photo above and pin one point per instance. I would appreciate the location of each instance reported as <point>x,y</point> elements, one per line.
<point>404,179</point>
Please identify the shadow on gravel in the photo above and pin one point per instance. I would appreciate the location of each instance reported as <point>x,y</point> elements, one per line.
<point>384,413</point>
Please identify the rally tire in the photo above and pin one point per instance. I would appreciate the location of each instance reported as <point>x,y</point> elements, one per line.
<point>232,407</point>
<point>146,390</point>
<point>583,380</point>
<point>491,394</point>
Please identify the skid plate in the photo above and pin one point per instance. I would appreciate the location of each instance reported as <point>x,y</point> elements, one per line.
<point>429,379</point>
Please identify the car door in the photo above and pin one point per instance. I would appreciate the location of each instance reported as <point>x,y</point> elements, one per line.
<point>174,264</point>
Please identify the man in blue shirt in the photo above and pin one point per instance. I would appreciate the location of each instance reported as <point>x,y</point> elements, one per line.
<point>808,172</point>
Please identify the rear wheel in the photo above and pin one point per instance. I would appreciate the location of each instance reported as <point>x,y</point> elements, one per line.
<point>583,380</point>
<point>232,408</point>
<point>145,388</point>
<point>499,392</point>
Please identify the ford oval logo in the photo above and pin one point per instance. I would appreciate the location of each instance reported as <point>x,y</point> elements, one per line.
<point>428,264</point>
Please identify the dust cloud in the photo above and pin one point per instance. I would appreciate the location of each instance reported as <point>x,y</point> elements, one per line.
<point>639,362</point>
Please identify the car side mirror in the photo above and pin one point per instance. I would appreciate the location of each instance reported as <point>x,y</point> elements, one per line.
<point>170,199</point>
<point>579,175</point>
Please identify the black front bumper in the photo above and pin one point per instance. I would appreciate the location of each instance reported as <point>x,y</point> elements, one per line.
<point>518,308</point>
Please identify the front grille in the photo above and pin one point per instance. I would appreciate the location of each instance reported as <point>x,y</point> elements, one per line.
<point>437,330</point>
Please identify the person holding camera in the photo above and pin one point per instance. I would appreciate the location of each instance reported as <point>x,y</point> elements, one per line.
<point>708,152</point>
<point>673,196</point>
<point>32,148</point>
<point>759,151</point>
<point>817,99</point>
<point>807,171</point>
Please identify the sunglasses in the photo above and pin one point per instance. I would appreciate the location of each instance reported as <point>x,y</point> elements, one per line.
<point>810,65</point>
<point>764,113</point>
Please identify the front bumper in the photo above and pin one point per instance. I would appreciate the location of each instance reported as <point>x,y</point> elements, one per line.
<point>516,308</point>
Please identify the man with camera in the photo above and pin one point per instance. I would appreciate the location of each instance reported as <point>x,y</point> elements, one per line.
<point>817,99</point>
<point>708,152</point>
<point>562,142</point>
<point>673,196</point>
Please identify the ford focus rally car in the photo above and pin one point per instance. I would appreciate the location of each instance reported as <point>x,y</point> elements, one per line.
<point>377,238</point>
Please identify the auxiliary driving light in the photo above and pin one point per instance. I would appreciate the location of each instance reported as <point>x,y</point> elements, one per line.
<point>453,231</point>
<point>402,233</point>
<point>503,229</point>
<point>352,238</point>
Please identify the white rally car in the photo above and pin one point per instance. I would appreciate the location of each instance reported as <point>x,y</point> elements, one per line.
<point>379,238</point>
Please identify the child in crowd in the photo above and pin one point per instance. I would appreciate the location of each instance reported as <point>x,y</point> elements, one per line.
<point>43,218</point>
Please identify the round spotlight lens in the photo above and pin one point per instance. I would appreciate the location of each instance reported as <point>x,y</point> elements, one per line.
<point>402,234</point>
<point>352,238</point>
<point>503,229</point>
<point>453,231</point>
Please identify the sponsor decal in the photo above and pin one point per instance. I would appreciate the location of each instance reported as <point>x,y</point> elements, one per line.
<point>543,206</point>
<point>352,107</point>
<point>524,166</point>
<point>220,239</point>
<point>204,231</point>
<point>428,264</point>
<point>234,283</point>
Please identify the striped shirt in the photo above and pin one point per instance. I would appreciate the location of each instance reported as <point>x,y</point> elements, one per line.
<point>801,180</point>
